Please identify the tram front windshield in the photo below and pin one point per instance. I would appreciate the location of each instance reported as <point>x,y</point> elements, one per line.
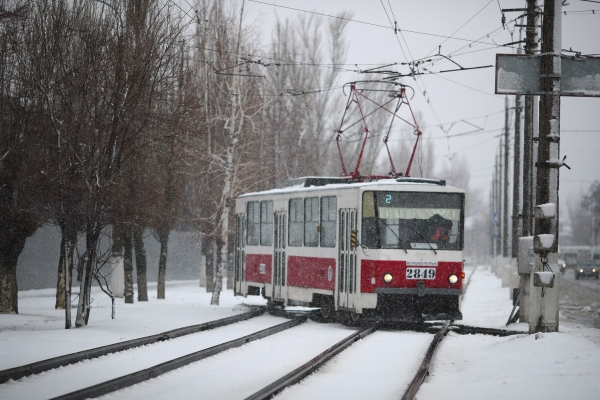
<point>412,220</point>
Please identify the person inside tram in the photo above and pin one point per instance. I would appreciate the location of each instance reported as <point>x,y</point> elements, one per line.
<point>440,231</point>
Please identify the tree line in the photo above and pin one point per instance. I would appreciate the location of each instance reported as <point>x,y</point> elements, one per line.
<point>120,116</point>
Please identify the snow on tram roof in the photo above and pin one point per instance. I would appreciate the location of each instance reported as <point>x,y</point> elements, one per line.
<point>299,185</point>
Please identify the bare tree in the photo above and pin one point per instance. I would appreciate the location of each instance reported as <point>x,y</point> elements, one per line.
<point>304,115</point>
<point>23,163</point>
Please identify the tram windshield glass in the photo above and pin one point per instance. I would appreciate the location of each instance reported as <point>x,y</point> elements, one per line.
<point>412,220</point>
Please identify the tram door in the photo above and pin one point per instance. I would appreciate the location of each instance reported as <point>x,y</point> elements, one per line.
<point>240,254</point>
<point>347,259</point>
<point>279,259</point>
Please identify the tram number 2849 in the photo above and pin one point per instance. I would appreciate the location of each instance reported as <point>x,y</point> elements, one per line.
<point>420,273</point>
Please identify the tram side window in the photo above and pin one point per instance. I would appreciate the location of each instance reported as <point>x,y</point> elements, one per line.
<point>253,231</point>
<point>328,221</point>
<point>311,222</point>
<point>296,222</point>
<point>266,223</point>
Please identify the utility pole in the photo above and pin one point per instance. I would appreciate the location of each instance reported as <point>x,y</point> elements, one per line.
<point>530,46</point>
<point>505,204</point>
<point>548,164</point>
<point>516,180</point>
<point>499,200</point>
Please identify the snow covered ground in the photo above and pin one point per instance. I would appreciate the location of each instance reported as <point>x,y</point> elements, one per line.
<point>554,366</point>
<point>38,333</point>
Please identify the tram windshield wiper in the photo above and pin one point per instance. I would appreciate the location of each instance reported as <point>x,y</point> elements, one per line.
<point>422,237</point>
<point>391,230</point>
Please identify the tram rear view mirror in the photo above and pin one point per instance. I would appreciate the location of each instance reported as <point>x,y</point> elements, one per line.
<point>353,238</point>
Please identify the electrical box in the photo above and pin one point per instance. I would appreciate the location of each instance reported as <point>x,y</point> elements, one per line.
<point>526,256</point>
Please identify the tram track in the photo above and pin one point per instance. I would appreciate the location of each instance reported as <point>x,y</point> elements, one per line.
<point>104,374</point>
<point>68,359</point>
<point>268,391</point>
<point>308,368</point>
<point>317,362</point>
<point>157,370</point>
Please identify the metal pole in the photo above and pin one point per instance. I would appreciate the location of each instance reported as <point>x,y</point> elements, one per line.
<point>505,205</point>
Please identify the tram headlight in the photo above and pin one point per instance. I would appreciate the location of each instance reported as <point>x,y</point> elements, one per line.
<point>564,265</point>
<point>594,270</point>
<point>453,279</point>
<point>387,278</point>
<point>580,270</point>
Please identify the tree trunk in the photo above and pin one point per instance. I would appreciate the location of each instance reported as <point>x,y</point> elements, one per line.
<point>11,246</point>
<point>128,266</point>
<point>208,248</point>
<point>221,269</point>
<point>65,266</point>
<point>61,279</point>
<point>140,263</point>
<point>70,242</point>
<point>163,238</point>
<point>85,288</point>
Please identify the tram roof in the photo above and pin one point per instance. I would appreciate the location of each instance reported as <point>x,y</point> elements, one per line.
<point>312,184</point>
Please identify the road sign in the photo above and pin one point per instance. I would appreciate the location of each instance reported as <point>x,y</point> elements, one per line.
<point>520,74</point>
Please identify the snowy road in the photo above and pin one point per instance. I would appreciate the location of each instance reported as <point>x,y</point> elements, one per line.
<point>580,299</point>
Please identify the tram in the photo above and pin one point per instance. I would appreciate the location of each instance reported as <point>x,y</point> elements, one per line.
<point>357,246</point>
<point>387,249</point>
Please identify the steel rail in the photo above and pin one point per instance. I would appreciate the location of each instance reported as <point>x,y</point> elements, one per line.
<point>152,372</point>
<point>415,384</point>
<point>303,371</point>
<point>61,361</point>
<point>472,330</point>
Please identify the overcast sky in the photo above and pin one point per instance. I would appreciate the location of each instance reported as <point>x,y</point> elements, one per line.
<point>464,95</point>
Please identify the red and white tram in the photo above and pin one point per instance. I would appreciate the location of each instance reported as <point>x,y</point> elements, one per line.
<point>385,249</point>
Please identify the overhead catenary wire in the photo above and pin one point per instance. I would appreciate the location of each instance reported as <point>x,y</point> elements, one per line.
<point>421,90</point>
<point>468,87</point>
<point>369,23</point>
<point>395,30</point>
<point>462,26</point>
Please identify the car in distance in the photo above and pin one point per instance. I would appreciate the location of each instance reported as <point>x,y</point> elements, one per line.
<point>587,268</point>
<point>562,265</point>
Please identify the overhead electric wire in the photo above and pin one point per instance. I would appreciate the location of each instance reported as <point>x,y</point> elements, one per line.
<point>469,87</point>
<point>368,23</point>
<point>424,90</point>
<point>469,20</point>
<point>389,19</point>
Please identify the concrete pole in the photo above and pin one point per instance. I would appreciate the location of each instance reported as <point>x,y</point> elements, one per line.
<point>548,165</point>
<point>530,46</point>
<point>516,180</point>
<point>505,197</point>
<point>528,133</point>
<point>498,201</point>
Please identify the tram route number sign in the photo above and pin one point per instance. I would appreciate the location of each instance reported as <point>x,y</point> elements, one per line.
<point>520,74</point>
<point>420,273</point>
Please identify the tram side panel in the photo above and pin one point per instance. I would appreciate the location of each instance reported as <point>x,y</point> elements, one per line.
<point>254,254</point>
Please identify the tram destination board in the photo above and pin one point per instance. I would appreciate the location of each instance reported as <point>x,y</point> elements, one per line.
<point>520,74</point>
